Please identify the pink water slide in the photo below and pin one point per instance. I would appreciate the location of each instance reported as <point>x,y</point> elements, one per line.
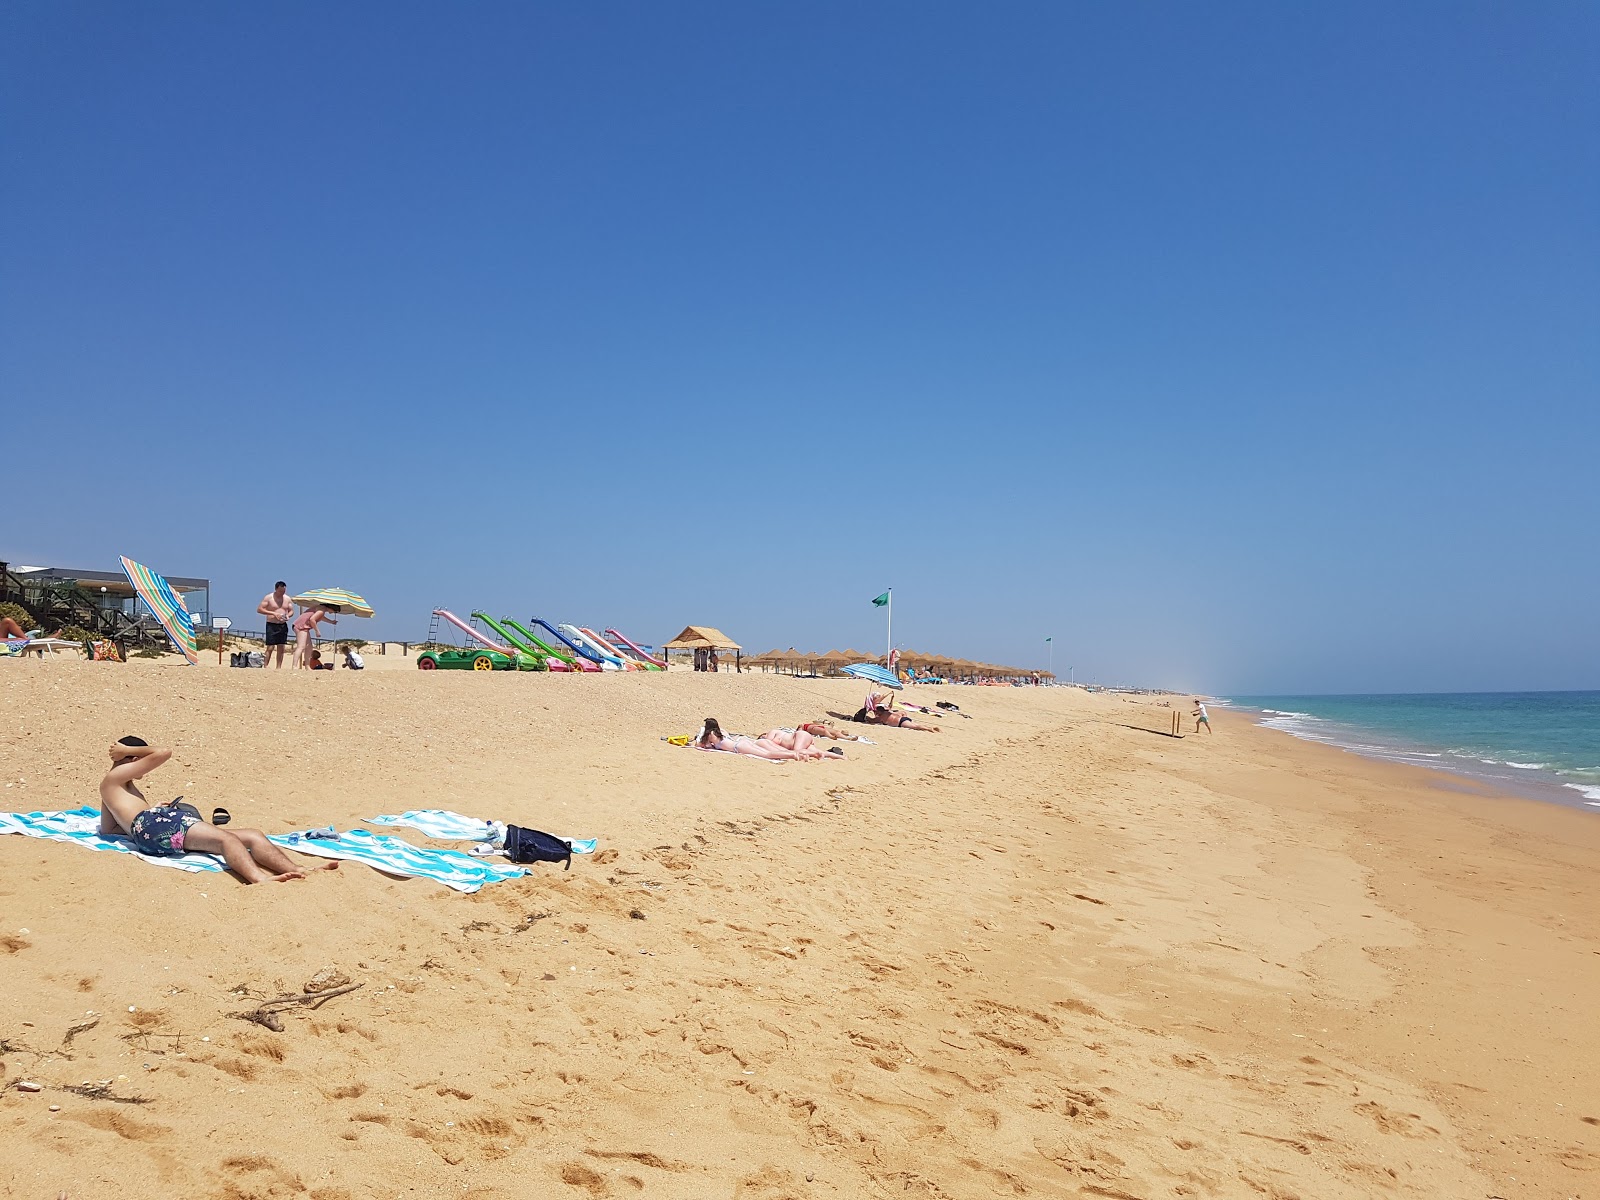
<point>473,633</point>
<point>653,661</point>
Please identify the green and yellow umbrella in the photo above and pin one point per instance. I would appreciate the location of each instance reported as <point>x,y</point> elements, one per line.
<point>338,599</point>
<point>165,605</point>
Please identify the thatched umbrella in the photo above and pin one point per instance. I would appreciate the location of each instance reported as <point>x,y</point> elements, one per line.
<point>835,658</point>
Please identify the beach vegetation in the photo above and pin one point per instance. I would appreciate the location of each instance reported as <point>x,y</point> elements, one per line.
<point>18,614</point>
<point>75,633</point>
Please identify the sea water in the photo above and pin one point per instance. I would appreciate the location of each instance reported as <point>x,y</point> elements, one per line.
<point>1544,744</point>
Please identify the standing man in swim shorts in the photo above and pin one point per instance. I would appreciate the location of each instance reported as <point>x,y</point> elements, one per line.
<point>1201,717</point>
<point>169,832</point>
<point>277,608</point>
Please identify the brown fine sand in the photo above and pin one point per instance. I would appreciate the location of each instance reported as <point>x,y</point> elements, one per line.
<point>1044,953</point>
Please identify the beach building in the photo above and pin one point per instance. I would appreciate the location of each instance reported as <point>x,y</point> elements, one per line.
<point>696,638</point>
<point>102,602</point>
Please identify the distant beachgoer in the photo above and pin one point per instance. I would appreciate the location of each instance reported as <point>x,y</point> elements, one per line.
<point>1201,717</point>
<point>304,626</point>
<point>277,608</point>
<point>167,832</point>
<point>352,660</point>
<point>711,737</point>
<point>711,659</point>
<point>11,631</point>
<point>317,664</point>
<point>880,715</point>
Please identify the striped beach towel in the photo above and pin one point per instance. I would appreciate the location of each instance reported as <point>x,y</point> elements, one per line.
<point>82,826</point>
<point>452,868</point>
<point>392,856</point>
<point>454,827</point>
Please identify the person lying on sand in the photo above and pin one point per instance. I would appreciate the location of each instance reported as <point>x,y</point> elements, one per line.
<point>821,729</point>
<point>711,737</point>
<point>168,832</point>
<point>800,741</point>
<point>882,716</point>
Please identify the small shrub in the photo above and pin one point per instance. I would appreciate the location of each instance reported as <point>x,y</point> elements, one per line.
<point>18,614</point>
<point>147,652</point>
<point>206,641</point>
<point>357,644</point>
<point>76,633</point>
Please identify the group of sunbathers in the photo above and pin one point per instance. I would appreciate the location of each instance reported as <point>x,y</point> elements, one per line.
<point>799,743</point>
<point>783,744</point>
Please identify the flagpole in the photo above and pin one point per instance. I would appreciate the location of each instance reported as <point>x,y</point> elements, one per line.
<point>888,649</point>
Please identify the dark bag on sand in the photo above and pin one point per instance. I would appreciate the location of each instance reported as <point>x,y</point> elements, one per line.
<point>529,846</point>
<point>181,805</point>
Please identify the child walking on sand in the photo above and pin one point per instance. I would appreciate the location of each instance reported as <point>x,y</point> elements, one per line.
<point>167,832</point>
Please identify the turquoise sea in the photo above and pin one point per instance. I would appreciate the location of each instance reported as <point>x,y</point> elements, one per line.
<point>1544,744</point>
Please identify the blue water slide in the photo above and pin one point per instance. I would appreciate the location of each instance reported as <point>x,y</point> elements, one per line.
<point>576,647</point>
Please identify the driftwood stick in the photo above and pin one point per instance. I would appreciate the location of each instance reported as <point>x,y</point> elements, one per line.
<point>312,998</point>
<point>266,1013</point>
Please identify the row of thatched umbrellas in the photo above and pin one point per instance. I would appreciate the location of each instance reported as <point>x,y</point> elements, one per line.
<point>830,663</point>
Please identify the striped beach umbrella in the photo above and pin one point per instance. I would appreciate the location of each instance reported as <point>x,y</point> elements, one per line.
<point>165,605</point>
<point>338,599</point>
<point>873,673</point>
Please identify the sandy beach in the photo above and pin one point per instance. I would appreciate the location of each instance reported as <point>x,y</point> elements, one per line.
<point>1046,952</point>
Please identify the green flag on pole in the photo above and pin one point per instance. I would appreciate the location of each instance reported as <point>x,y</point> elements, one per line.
<point>881,600</point>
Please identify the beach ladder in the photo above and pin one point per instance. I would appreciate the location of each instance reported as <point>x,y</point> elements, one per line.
<point>433,629</point>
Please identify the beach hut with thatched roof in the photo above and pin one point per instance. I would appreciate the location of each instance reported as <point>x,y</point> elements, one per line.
<point>704,637</point>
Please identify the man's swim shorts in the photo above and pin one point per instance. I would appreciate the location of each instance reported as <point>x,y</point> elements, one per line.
<point>160,831</point>
<point>277,633</point>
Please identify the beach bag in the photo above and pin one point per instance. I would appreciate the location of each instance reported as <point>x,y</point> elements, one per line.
<point>530,846</point>
<point>181,805</point>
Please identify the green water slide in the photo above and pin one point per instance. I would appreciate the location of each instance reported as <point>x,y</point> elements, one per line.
<point>510,639</point>
<point>541,646</point>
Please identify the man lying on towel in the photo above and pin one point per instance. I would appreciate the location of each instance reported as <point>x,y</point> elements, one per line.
<point>168,832</point>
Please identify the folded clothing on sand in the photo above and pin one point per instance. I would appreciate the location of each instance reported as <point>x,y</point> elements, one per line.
<point>452,826</point>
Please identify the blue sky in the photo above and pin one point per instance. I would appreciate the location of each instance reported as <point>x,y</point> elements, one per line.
<point>1245,347</point>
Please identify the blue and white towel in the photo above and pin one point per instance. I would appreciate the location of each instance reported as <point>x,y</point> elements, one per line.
<point>453,827</point>
<point>82,826</point>
<point>393,856</point>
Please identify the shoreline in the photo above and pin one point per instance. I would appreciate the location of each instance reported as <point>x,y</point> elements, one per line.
<point>1528,781</point>
<point>1049,952</point>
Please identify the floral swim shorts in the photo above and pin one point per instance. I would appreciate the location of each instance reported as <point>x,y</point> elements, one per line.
<point>160,831</point>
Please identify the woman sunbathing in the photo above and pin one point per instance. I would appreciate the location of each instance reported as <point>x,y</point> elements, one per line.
<point>801,741</point>
<point>883,716</point>
<point>712,738</point>
<point>821,729</point>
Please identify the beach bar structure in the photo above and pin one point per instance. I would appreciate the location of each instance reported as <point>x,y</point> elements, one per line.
<point>703,637</point>
<point>102,602</point>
